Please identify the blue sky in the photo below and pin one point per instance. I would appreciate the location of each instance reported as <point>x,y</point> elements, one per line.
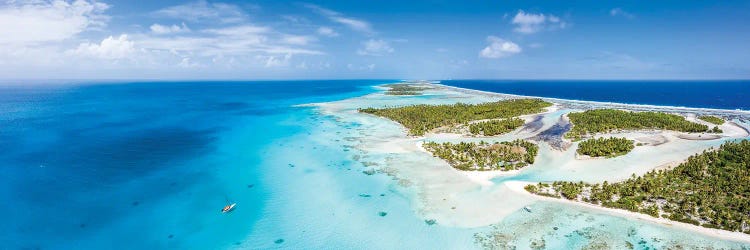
<point>86,39</point>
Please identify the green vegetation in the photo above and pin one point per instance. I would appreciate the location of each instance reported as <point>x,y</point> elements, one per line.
<point>404,89</point>
<point>484,156</point>
<point>607,147</point>
<point>716,130</point>
<point>495,127</point>
<point>422,118</point>
<point>711,189</point>
<point>608,120</point>
<point>712,119</point>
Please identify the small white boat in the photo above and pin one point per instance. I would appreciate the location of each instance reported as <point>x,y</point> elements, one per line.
<point>527,208</point>
<point>228,208</point>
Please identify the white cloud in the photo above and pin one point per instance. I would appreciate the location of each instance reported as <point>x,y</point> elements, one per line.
<point>374,47</point>
<point>297,40</point>
<point>241,42</point>
<point>327,31</point>
<point>203,11</point>
<point>48,35</point>
<point>163,29</point>
<point>352,23</point>
<point>294,19</point>
<point>24,22</point>
<point>247,43</point>
<point>187,63</point>
<point>620,12</point>
<point>276,61</point>
<point>239,30</point>
<point>236,40</point>
<point>109,48</point>
<point>499,48</point>
<point>529,23</point>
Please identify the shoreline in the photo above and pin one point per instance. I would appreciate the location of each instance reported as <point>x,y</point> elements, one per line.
<point>518,187</point>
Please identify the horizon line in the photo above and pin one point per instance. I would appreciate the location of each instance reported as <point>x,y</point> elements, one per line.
<point>115,80</point>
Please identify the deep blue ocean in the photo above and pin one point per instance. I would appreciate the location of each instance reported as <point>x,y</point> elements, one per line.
<point>733,94</point>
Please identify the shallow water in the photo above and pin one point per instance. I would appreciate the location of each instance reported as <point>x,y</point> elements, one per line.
<point>552,226</point>
<point>150,165</point>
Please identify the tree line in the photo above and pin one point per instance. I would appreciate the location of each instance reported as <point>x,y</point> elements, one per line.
<point>712,119</point>
<point>420,119</point>
<point>609,120</point>
<point>606,147</point>
<point>495,127</point>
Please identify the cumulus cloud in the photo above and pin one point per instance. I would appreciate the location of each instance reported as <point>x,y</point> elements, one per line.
<point>163,29</point>
<point>352,23</point>
<point>24,22</point>
<point>499,48</point>
<point>620,12</point>
<point>529,23</point>
<point>327,31</point>
<point>204,11</point>
<point>109,48</point>
<point>375,47</point>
